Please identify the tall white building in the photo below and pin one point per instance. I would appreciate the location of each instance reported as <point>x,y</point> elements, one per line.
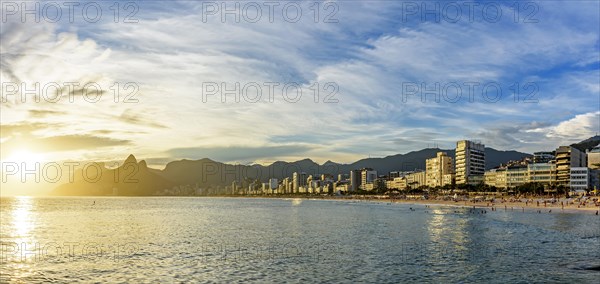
<point>470,162</point>
<point>298,180</point>
<point>367,176</point>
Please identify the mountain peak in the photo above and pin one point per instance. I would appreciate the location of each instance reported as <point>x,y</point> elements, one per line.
<point>143,164</point>
<point>587,144</point>
<point>130,159</point>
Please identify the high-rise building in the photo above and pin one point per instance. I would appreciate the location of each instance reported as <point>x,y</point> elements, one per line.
<point>470,162</point>
<point>436,168</point>
<point>298,180</point>
<point>354,180</point>
<point>568,157</point>
<point>273,183</point>
<point>286,185</point>
<point>367,176</point>
<point>593,158</point>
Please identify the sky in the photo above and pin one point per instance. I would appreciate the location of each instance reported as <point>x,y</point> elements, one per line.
<point>151,71</point>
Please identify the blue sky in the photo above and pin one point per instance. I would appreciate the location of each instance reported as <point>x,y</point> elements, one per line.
<point>372,51</point>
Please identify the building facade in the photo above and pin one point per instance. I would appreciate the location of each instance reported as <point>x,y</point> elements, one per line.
<point>437,168</point>
<point>568,157</point>
<point>470,162</point>
<point>580,178</point>
<point>415,180</point>
<point>367,177</point>
<point>593,158</point>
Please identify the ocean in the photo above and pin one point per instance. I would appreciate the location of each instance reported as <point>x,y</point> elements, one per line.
<point>204,239</point>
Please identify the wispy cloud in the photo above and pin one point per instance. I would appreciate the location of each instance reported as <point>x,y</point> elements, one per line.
<point>369,53</point>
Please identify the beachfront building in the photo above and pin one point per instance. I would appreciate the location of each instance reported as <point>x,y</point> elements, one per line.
<point>580,178</point>
<point>398,183</point>
<point>470,162</point>
<point>286,185</point>
<point>341,186</point>
<point>354,180</point>
<point>593,158</point>
<point>544,173</point>
<point>415,180</point>
<point>437,169</point>
<point>367,178</point>
<point>568,157</point>
<point>506,177</point>
<point>491,178</point>
<point>273,184</point>
<point>513,176</point>
<point>448,179</point>
<point>298,181</point>
<point>593,162</point>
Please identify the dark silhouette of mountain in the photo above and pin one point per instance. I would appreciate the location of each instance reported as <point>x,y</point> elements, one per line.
<point>416,159</point>
<point>135,178</point>
<point>587,144</point>
<point>131,178</point>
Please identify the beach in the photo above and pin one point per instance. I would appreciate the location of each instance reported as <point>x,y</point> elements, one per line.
<point>538,203</point>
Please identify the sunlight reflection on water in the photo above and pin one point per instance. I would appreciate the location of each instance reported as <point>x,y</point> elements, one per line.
<point>116,239</point>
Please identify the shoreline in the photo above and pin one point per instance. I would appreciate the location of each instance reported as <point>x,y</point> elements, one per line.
<point>498,206</point>
<point>512,204</point>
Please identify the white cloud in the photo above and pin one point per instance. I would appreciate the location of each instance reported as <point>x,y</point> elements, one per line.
<point>367,54</point>
<point>580,126</point>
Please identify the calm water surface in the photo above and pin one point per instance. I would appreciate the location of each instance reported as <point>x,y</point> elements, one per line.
<point>166,240</point>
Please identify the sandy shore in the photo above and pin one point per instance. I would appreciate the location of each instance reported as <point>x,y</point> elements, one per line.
<point>508,204</point>
<point>512,206</point>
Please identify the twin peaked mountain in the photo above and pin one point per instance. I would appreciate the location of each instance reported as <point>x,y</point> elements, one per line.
<point>136,179</point>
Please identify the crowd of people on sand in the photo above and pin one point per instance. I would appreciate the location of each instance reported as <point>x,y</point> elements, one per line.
<point>540,203</point>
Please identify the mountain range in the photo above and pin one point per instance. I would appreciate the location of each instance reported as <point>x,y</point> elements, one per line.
<point>135,178</point>
<point>587,144</point>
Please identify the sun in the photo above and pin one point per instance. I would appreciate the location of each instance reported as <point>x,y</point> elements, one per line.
<point>25,156</point>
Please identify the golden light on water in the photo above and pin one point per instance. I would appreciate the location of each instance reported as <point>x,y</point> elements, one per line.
<point>23,221</point>
<point>436,225</point>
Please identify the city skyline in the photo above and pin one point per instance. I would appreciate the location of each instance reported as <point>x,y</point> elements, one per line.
<point>351,141</point>
<point>430,167</point>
